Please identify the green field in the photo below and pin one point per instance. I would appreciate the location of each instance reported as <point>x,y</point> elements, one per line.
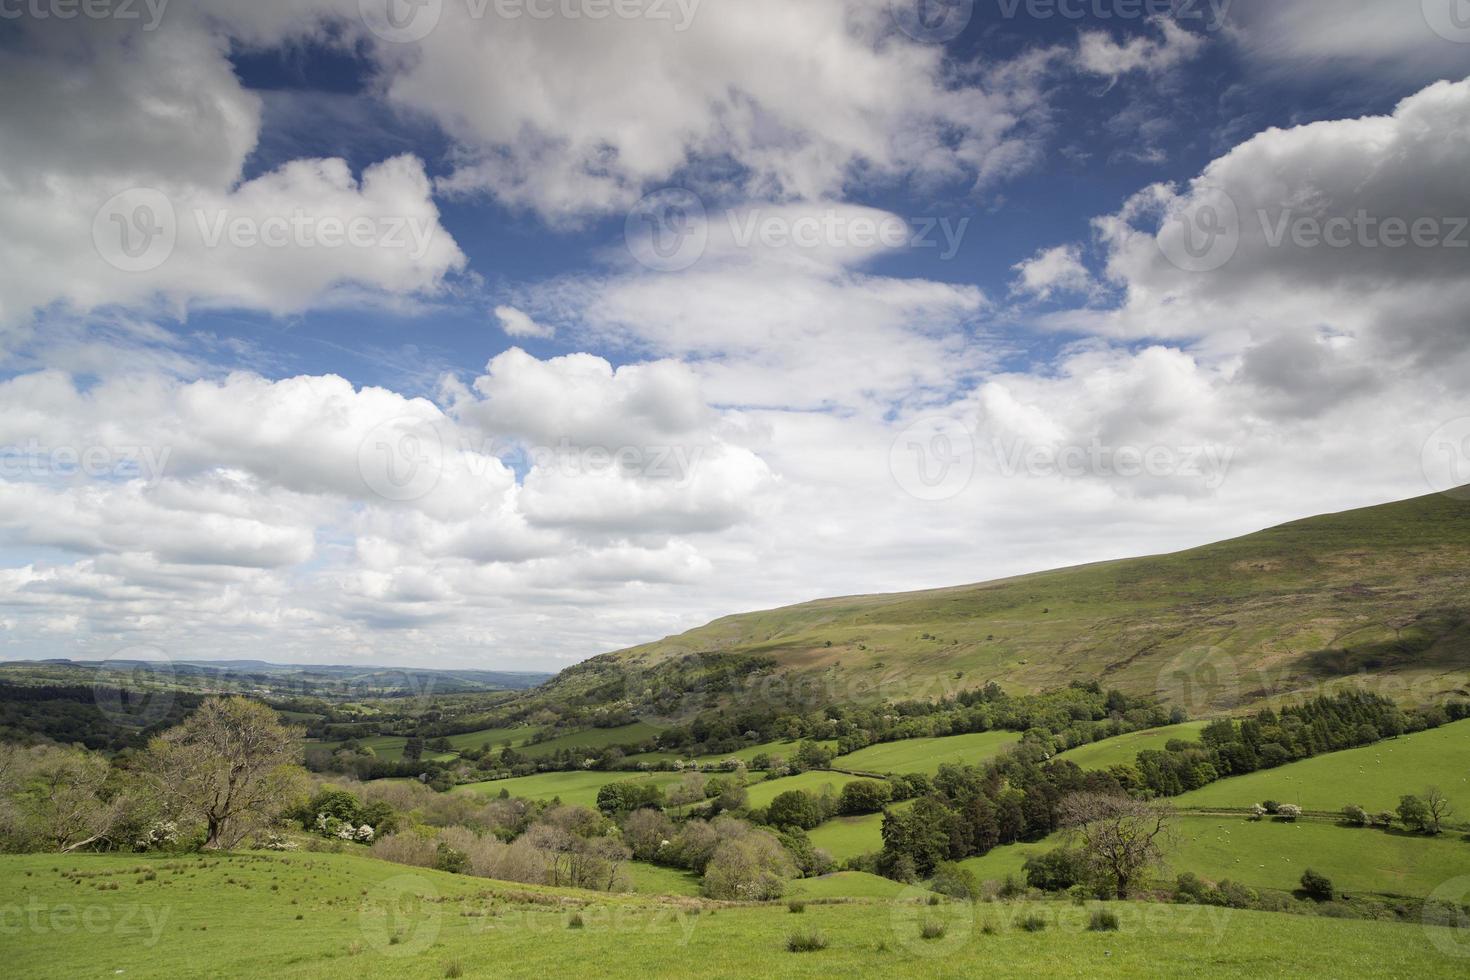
<point>389,748</point>
<point>592,739</point>
<point>1374,776</point>
<point>573,788</point>
<point>651,879</point>
<point>846,884</point>
<point>926,755</point>
<point>1124,749</point>
<point>342,917</point>
<point>1271,854</point>
<point>766,790</point>
<point>496,737</point>
<point>848,837</point>
<point>784,749</point>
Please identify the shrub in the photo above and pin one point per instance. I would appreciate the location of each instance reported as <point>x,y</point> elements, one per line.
<point>1235,895</point>
<point>932,930</point>
<point>1317,887</point>
<point>1189,888</point>
<point>1032,923</point>
<point>1289,812</point>
<point>863,796</point>
<point>806,942</point>
<point>575,921</point>
<point>1054,871</point>
<point>794,906</point>
<point>1103,920</point>
<point>1355,815</point>
<point>1271,807</point>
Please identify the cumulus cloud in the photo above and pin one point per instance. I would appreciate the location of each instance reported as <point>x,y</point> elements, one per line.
<point>518,324</point>
<point>1099,54</point>
<point>1052,271</point>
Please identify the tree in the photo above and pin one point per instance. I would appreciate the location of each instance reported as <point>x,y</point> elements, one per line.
<point>863,796</point>
<point>794,808</point>
<point>1437,807</point>
<point>232,765</point>
<point>648,832</point>
<point>63,798</point>
<point>1355,815</point>
<point>1414,812</point>
<point>749,868</point>
<point>1118,836</point>
<point>1316,886</point>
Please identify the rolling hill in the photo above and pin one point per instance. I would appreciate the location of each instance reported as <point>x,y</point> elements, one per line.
<point>1379,595</point>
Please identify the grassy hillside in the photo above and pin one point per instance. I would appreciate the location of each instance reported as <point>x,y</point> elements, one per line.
<point>343,916</point>
<point>1270,854</point>
<point>572,788</point>
<point>926,755</point>
<point>1382,592</point>
<point>1123,749</point>
<point>1374,776</point>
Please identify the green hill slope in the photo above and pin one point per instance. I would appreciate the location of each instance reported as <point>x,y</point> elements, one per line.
<point>1380,594</point>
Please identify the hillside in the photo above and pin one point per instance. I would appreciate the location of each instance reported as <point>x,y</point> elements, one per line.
<point>1380,594</point>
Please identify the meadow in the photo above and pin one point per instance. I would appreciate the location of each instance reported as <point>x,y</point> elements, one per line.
<point>345,916</point>
<point>1122,750</point>
<point>1374,776</point>
<point>785,749</point>
<point>815,781</point>
<point>573,788</point>
<point>1273,854</point>
<point>592,739</point>
<point>389,748</point>
<point>926,755</point>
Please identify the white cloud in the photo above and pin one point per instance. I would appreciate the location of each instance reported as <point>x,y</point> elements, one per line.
<point>1414,39</point>
<point>518,324</point>
<point>1099,54</point>
<point>1051,271</point>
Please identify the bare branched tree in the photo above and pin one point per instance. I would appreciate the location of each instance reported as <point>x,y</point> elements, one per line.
<point>1118,836</point>
<point>231,764</point>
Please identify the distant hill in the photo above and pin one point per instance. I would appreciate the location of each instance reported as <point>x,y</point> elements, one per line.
<point>1376,596</point>
<point>324,680</point>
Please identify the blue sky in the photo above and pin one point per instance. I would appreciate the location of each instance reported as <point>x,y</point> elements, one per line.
<point>786,419</point>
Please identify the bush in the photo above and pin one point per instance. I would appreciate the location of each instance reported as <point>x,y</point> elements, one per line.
<point>795,808</point>
<point>1189,888</point>
<point>932,930</point>
<point>1355,815</point>
<point>1103,920</point>
<point>1032,923</point>
<point>796,906</point>
<point>575,921</point>
<point>1317,887</point>
<point>956,882</point>
<point>806,942</point>
<point>1054,871</point>
<point>863,796</point>
<point>1271,807</point>
<point>1289,812</point>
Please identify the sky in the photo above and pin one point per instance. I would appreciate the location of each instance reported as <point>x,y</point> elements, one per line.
<point>504,333</point>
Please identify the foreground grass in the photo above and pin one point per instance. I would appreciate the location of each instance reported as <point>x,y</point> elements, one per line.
<point>345,916</point>
<point>926,755</point>
<point>1374,776</point>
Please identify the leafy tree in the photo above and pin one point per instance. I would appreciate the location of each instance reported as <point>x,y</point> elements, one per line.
<point>231,764</point>
<point>955,881</point>
<point>754,867</point>
<point>794,808</point>
<point>863,796</point>
<point>1316,886</point>
<point>1355,815</point>
<point>1414,813</point>
<point>1055,870</point>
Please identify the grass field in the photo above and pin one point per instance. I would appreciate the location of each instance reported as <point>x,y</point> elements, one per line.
<point>766,790</point>
<point>1269,854</point>
<point>848,837</point>
<point>389,748</point>
<point>651,879</point>
<point>342,917</point>
<point>1374,776</point>
<point>573,788</point>
<point>784,749</point>
<point>926,755</point>
<point>496,737</point>
<point>592,739</point>
<point>845,884</point>
<point>1124,749</point>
